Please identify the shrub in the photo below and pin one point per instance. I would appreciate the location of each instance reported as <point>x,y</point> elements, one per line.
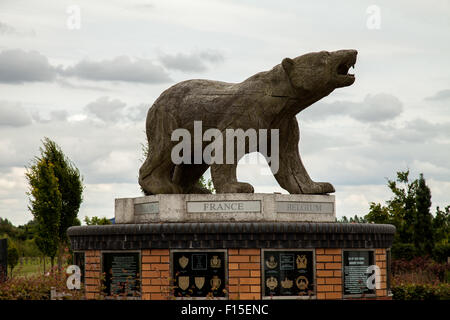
<point>36,287</point>
<point>13,256</point>
<point>420,270</point>
<point>421,292</point>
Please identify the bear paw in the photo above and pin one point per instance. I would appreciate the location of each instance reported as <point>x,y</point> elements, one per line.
<point>236,187</point>
<point>318,188</point>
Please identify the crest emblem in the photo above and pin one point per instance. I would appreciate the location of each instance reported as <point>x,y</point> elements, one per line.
<point>183,282</point>
<point>215,262</point>
<point>199,282</point>
<point>302,282</point>
<point>286,283</point>
<point>215,283</point>
<point>271,263</point>
<point>301,262</point>
<point>272,283</point>
<point>183,261</point>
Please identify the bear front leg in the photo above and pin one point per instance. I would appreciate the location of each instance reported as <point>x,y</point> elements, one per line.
<point>225,181</point>
<point>292,175</point>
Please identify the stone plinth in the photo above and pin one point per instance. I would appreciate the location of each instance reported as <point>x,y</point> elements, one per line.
<point>240,207</point>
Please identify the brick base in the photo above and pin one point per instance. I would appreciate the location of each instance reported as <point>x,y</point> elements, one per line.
<point>244,274</point>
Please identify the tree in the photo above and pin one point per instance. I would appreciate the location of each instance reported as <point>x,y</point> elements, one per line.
<point>403,205</point>
<point>423,220</point>
<point>441,225</point>
<point>378,214</point>
<point>55,178</point>
<point>408,210</point>
<point>95,221</point>
<point>71,188</point>
<point>13,256</point>
<point>46,205</point>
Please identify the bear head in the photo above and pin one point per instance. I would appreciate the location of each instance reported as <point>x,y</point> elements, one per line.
<point>320,72</point>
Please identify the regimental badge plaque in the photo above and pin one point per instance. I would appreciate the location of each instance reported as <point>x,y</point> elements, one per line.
<point>199,273</point>
<point>288,273</point>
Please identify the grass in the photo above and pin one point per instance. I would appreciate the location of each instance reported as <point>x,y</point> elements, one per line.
<point>29,267</point>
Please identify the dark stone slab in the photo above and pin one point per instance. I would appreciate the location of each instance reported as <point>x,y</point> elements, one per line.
<point>231,235</point>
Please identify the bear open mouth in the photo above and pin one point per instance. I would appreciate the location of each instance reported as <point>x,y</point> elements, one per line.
<point>344,67</point>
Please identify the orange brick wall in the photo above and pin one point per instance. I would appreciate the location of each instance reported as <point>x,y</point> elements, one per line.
<point>380,261</point>
<point>328,273</point>
<point>92,279</point>
<point>244,274</point>
<point>155,274</point>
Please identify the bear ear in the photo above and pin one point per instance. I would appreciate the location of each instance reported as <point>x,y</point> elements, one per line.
<point>287,64</point>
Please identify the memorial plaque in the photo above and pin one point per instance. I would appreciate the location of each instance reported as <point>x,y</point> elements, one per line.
<point>288,273</point>
<point>144,208</point>
<point>223,206</point>
<point>122,273</point>
<point>305,207</point>
<point>287,262</point>
<point>198,274</point>
<point>199,262</point>
<point>78,259</point>
<point>355,272</point>
<point>3,259</point>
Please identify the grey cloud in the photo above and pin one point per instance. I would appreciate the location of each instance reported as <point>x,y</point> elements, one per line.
<point>6,29</point>
<point>106,109</point>
<point>374,108</point>
<point>67,84</point>
<point>59,115</point>
<point>440,95</point>
<point>415,131</point>
<point>191,62</point>
<point>114,110</point>
<point>121,68</point>
<point>12,114</point>
<point>18,66</point>
<point>138,113</point>
<point>377,108</point>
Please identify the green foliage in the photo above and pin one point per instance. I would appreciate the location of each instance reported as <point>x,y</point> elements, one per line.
<point>423,220</point>
<point>354,219</point>
<point>7,228</point>
<point>421,292</point>
<point>417,232</point>
<point>378,214</point>
<point>96,221</point>
<point>406,251</point>
<point>441,252</point>
<point>206,184</point>
<point>69,185</point>
<point>441,225</point>
<point>55,190</point>
<point>13,255</point>
<point>46,205</point>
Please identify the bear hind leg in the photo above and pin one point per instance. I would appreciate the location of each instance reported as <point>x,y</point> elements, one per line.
<point>225,181</point>
<point>159,180</point>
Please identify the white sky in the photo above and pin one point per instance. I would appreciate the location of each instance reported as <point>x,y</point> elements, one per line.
<point>89,88</point>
